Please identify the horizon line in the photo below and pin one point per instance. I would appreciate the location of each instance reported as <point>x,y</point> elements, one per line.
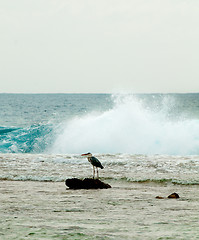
<point>122,92</point>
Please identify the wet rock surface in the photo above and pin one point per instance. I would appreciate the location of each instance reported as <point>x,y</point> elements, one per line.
<point>87,183</point>
<point>174,195</point>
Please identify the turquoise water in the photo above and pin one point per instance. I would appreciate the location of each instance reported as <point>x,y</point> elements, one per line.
<point>28,121</point>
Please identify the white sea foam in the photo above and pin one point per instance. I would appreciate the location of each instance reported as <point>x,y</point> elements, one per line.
<point>130,127</point>
<point>118,167</point>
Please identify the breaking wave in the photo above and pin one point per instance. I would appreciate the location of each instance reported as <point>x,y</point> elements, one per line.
<point>132,125</point>
<point>33,139</point>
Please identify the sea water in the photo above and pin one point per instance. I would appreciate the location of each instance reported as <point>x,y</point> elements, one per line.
<point>153,135</point>
<point>142,139</point>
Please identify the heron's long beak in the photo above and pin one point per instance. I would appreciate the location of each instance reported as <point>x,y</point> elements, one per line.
<point>84,154</point>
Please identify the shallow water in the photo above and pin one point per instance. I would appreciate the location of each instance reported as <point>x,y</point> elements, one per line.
<point>35,203</point>
<point>46,210</point>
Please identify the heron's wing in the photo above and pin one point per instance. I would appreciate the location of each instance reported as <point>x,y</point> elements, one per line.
<point>95,162</point>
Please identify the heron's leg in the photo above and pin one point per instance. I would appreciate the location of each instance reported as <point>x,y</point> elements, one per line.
<point>97,173</point>
<point>93,172</point>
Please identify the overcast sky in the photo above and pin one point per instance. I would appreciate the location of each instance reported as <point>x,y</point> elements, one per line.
<point>72,46</point>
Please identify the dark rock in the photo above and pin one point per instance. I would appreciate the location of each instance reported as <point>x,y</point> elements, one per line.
<point>87,183</point>
<point>174,195</point>
<point>74,183</point>
<point>159,197</point>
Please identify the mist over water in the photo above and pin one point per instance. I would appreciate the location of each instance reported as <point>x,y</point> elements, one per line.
<point>133,125</point>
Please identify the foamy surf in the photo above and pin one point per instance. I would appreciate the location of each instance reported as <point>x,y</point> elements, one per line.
<point>117,167</point>
<point>131,126</point>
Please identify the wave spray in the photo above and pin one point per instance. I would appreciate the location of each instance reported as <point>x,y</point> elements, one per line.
<point>131,126</point>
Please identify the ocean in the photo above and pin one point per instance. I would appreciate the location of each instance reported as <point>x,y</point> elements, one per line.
<point>147,143</point>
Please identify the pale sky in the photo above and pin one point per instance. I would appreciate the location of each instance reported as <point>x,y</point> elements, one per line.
<point>74,46</point>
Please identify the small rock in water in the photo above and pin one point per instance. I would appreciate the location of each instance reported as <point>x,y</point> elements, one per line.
<point>87,183</point>
<point>158,197</point>
<point>174,195</point>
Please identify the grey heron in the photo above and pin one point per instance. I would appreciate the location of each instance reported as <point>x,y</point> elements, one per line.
<point>94,161</point>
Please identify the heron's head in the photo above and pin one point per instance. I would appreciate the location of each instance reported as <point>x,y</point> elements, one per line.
<point>87,154</point>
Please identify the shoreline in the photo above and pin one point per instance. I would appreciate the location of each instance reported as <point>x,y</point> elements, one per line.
<point>49,210</point>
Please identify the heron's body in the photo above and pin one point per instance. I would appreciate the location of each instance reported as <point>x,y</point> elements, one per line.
<point>95,162</point>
